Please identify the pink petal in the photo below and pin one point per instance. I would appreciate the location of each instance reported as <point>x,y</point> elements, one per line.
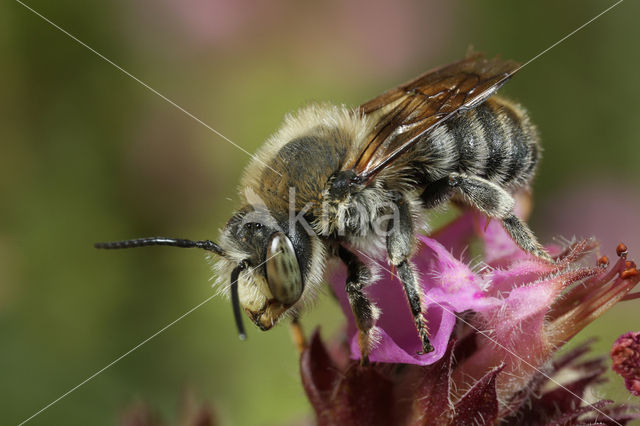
<point>449,286</point>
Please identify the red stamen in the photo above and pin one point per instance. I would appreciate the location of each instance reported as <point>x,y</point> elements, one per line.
<point>631,296</point>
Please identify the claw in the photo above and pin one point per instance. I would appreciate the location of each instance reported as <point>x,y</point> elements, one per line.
<point>426,348</point>
<point>364,342</point>
<point>364,360</point>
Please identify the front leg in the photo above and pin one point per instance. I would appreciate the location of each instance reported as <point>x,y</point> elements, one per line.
<point>364,312</point>
<point>400,240</point>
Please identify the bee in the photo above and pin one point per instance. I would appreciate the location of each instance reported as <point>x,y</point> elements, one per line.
<point>334,181</point>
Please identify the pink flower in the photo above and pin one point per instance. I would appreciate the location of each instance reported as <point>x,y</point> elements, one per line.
<point>626,360</point>
<point>511,293</point>
<point>449,286</point>
<point>512,310</point>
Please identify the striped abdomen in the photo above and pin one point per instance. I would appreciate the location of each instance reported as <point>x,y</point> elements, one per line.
<point>495,141</point>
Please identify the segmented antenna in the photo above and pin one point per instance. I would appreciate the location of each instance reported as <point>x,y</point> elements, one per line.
<point>162,241</point>
<point>177,242</point>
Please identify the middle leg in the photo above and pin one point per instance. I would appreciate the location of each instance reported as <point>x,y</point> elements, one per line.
<point>400,241</point>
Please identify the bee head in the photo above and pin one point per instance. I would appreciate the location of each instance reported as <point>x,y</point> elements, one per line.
<point>261,263</point>
<point>273,263</point>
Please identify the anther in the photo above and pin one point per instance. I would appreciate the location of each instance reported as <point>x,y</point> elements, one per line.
<point>603,262</point>
<point>628,273</point>
<point>621,250</point>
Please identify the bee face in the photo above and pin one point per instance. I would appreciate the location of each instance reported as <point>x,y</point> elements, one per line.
<point>272,280</point>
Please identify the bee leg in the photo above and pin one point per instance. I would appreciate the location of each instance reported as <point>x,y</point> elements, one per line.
<point>364,312</point>
<point>495,202</point>
<point>297,334</point>
<point>400,240</point>
<point>524,237</point>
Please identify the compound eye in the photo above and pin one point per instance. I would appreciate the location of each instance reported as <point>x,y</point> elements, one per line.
<point>283,272</point>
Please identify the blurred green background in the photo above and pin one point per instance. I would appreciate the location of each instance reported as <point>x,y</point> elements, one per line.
<point>88,154</point>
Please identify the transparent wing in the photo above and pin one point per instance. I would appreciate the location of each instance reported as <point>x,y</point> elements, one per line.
<point>406,113</point>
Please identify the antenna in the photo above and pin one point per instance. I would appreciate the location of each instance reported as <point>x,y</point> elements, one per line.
<point>162,241</point>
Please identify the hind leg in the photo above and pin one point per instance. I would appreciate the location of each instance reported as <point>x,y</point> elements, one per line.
<point>495,202</point>
<point>490,199</point>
